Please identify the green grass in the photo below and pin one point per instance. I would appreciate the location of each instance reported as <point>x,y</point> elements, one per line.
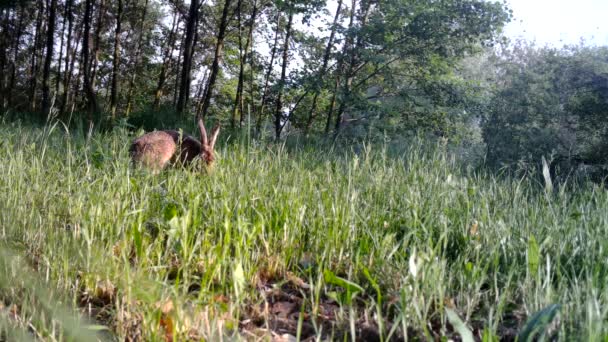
<point>392,242</point>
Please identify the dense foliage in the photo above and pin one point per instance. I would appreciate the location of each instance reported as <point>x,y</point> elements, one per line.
<point>549,102</point>
<point>366,69</point>
<point>285,63</point>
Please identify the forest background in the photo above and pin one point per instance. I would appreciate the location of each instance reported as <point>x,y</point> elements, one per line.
<point>360,70</point>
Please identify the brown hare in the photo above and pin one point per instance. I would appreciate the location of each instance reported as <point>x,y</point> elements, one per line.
<point>157,149</point>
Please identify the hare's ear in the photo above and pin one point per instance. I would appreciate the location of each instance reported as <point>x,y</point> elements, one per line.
<point>201,127</point>
<point>214,134</point>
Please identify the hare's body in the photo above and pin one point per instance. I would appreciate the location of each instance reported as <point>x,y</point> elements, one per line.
<point>158,149</point>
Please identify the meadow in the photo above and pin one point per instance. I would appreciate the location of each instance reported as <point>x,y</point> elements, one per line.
<point>291,243</point>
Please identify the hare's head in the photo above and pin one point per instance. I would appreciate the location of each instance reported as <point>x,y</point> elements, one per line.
<point>208,144</point>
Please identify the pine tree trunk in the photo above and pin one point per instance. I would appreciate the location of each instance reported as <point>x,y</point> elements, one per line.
<point>4,19</point>
<point>91,98</point>
<point>76,55</point>
<point>238,102</point>
<point>273,53</point>
<point>203,47</point>
<point>169,48</point>
<point>252,82</point>
<point>313,107</point>
<point>17,41</point>
<point>178,69</point>
<point>96,49</point>
<point>278,116</point>
<point>199,105</point>
<point>216,59</point>
<point>60,58</point>
<point>332,103</point>
<point>46,74</point>
<point>35,60</point>
<point>184,87</point>
<point>116,61</point>
<point>352,53</point>
<point>235,107</point>
<point>69,56</point>
<point>136,61</point>
<point>73,100</point>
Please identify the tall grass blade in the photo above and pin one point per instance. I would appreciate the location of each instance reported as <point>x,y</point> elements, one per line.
<point>538,323</point>
<point>461,328</point>
<point>547,176</point>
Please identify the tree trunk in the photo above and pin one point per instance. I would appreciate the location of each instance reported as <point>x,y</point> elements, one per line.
<point>60,58</point>
<point>50,43</point>
<point>323,70</point>
<point>349,75</point>
<point>273,53</point>
<point>178,64</point>
<point>238,101</point>
<point>169,48</point>
<point>216,59</point>
<point>194,43</point>
<point>116,61</point>
<point>203,47</point>
<point>252,82</point>
<point>235,107</point>
<point>278,116</point>
<point>92,106</point>
<point>96,49</point>
<point>346,51</point>
<point>70,57</point>
<point>72,100</point>
<point>200,93</point>
<point>35,60</point>
<point>136,60</point>
<point>332,103</point>
<point>17,42</point>
<point>4,19</point>
<point>184,87</point>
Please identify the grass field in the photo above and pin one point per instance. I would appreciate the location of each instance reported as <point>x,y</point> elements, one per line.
<point>282,243</point>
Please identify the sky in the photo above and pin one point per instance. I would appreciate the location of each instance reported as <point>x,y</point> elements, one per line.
<point>559,22</point>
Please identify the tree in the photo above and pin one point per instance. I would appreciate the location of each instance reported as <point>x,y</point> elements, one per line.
<point>217,57</point>
<point>169,49</point>
<point>243,50</point>
<point>403,51</point>
<point>116,60</point>
<point>330,44</point>
<point>15,53</point>
<point>67,6</point>
<point>97,46</point>
<point>136,58</point>
<point>184,88</point>
<point>34,65</point>
<point>4,20</point>
<point>91,97</point>
<point>278,114</point>
<point>70,58</point>
<point>50,42</point>
<point>548,103</point>
<point>350,54</point>
<point>266,88</point>
<point>304,7</point>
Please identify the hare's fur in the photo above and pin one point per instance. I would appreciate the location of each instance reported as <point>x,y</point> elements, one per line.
<point>158,149</point>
